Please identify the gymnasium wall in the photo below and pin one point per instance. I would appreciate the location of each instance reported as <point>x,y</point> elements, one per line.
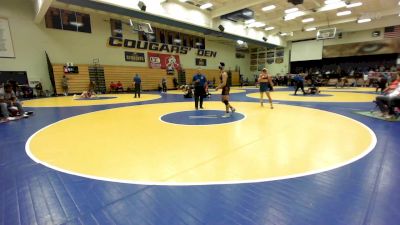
<point>150,77</point>
<point>31,40</point>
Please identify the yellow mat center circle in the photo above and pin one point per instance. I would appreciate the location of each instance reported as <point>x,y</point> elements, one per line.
<point>136,147</point>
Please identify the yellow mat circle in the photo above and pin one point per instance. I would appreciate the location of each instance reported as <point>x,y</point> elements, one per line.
<point>136,147</point>
<point>335,96</point>
<point>67,101</point>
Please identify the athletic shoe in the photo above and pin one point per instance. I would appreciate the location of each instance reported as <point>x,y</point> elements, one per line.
<point>11,118</point>
<point>233,110</point>
<point>28,113</point>
<point>226,115</point>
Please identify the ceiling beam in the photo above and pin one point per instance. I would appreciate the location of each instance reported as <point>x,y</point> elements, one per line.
<point>231,6</point>
<point>41,7</point>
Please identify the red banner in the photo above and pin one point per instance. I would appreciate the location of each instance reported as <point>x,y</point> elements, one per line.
<point>164,61</point>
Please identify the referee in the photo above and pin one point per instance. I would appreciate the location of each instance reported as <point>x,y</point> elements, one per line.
<point>199,83</point>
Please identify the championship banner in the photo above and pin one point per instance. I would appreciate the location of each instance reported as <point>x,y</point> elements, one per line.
<point>134,57</point>
<point>164,61</point>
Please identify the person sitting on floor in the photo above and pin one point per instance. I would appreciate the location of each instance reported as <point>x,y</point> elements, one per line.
<point>9,103</point>
<point>390,100</point>
<point>187,91</point>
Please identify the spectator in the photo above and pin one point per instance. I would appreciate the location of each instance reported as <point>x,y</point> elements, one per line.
<point>8,101</point>
<point>64,85</point>
<point>113,87</point>
<point>138,82</point>
<point>387,102</point>
<point>119,86</point>
<point>164,85</point>
<point>39,89</point>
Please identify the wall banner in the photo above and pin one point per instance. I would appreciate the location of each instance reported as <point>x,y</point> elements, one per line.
<point>160,47</point>
<point>164,61</point>
<point>134,57</point>
<point>6,46</point>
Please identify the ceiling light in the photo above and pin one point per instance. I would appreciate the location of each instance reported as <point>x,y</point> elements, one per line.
<point>307,20</point>
<point>311,29</point>
<point>354,5</point>
<point>256,24</point>
<point>294,15</point>
<point>182,0</point>
<point>249,21</point>
<point>269,28</point>
<point>267,8</point>
<point>328,2</point>
<point>364,20</point>
<point>240,42</point>
<point>332,6</point>
<point>206,6</point>
<point>292,10</point>
<point>343,13</point>
<point>284,34</point>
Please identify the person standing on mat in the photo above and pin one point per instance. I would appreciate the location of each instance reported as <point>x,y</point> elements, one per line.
<point>265,81</point>
<point>225,86</point>
<point>138,82</point>
<point>199,83</point>
<point>299,79</point>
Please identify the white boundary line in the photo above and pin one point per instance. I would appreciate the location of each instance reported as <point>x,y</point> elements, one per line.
<point>366,152</point>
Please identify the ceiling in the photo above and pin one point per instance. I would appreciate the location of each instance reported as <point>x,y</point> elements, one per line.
<point>382,12</point>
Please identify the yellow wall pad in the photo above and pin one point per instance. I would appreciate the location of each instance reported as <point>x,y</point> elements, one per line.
<point>137,147</point>
<point>67,101</point>
<point>361,89</point>
<point>336,96</point>
<point>212,91</point>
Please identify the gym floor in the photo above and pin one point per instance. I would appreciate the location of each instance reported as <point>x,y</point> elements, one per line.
<point>156,160</point>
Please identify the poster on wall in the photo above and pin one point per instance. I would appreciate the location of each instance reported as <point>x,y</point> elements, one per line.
<point>201,62</point>
<point>6,46</point>
<point>385,46</point>
<point>134,57</point>
<point>164,61</point>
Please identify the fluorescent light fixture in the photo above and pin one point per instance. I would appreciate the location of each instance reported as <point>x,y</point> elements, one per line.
<point>343,13</point>
<point>182,0</point>
<point>294,15</point>
<point>269,28</point>
<point>257,24</point>
<point>291,10</point>
<point>206,6</point>
<point>366,20</point>
<point>311,29</point>
<point>354,5</point>
<point>240,42</point>
<point>284,34</point>
<point>328,2</point>
<point>78,24</point>
<point>307,20</point>
<point>268,8</point>
<point>332,6</point>
<point>249,21</point>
